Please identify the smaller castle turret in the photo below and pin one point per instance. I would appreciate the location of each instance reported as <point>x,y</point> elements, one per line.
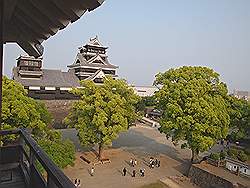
<point>29,67</point>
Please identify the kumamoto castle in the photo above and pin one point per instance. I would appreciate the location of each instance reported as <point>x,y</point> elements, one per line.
<point>91,63</point>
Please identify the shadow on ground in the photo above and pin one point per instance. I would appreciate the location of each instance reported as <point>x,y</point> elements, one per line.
<point>144,147</point>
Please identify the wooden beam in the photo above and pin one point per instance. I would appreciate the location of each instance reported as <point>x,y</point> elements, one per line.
<point>10,7</point>
<point>1,56</point>
<point>1,71</point>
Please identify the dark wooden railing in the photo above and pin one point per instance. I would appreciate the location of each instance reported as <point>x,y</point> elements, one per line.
<point>55,177</point>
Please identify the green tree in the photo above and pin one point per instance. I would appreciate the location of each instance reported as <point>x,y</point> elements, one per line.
<point>45,115</point>
<point>144,102</point>
<point>102,112</point>
<point>193,102</point>
<point>239,111</point>
<point>61,152</point>
<point>19,110</point>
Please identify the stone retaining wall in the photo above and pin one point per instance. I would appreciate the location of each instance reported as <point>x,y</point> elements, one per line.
<point>205,179</point>
<point>59,110</point>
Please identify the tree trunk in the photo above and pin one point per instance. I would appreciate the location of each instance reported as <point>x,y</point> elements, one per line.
<point>100,150</point>
<point>195,157</point>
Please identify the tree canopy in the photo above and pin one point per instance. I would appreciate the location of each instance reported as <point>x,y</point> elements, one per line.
<point>239,111</point>
<point>148,101</point>
<point>62,152</point>
<point>21,111</point>
<point>193,102</point>
<point>102,112</point>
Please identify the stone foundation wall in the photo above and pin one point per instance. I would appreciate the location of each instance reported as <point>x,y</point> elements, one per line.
<point>205,179</point>
<point>59,110</point>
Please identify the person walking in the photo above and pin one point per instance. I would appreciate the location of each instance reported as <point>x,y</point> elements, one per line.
<point>92,171</point>
<point>133,173</point>
<point>156,163</point>
<point>75,184</point>
<point>124,171</point>
<point>78,183</point>
<point>135,162</point>
<point>143,172</point>
<point>151,162</point>
<point>159,163</point>
<point>131,162</point>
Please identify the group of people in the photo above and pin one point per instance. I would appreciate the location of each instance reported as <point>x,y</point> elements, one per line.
<point>142,172</point>
<point>133,162</point>
<point>154,162</point>
<point>77,183</point>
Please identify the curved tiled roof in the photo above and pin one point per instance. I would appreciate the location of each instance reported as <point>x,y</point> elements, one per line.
<point>30,22</point>
<point>84,62</point>
<point>50,78</point>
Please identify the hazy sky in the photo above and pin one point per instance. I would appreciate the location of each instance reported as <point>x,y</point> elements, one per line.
<point>146,37</point>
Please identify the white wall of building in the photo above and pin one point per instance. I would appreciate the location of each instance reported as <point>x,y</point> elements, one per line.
<point>145,91</point>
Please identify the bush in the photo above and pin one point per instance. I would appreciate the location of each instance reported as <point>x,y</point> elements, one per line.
<point>233,153</point>
<point>247,151</point>
<point>61,152</point>
<point>223,155</point>
<point>215,156</point>
<point>242,156</point>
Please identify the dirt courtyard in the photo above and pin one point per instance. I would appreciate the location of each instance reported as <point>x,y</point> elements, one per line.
<point>140,143</point>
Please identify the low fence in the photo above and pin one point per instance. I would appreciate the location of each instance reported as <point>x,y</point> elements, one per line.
<point>218,163</point>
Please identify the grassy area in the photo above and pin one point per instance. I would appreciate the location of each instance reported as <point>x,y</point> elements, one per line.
<point>155,185</point>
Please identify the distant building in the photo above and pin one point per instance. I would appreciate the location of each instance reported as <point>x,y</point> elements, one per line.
<point>91,64</point>
<point>145,91</point>
<point>242,94</point>
<point>235,165</point>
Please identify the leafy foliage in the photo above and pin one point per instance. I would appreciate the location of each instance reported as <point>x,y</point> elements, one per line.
<point>144,102</point>
<point>62,152</point>
<point>18,109</point>
<point>237,154</point>
<point>233,153</point>
<point>45,116</point>
<point>242,156</point>
<point>193,102</point>
<point>215,156</point>
<point>103,111</point>
<point>239,117</point>
<point>223,155</point>
<point>21,111</point>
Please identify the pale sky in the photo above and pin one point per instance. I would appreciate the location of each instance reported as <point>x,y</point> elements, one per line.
<point>146,37</point>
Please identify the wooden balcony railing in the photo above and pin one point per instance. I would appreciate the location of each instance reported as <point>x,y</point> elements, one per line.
<point>27,154</point>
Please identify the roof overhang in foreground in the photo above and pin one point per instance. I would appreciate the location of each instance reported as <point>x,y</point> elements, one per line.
<point>30,22</point>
